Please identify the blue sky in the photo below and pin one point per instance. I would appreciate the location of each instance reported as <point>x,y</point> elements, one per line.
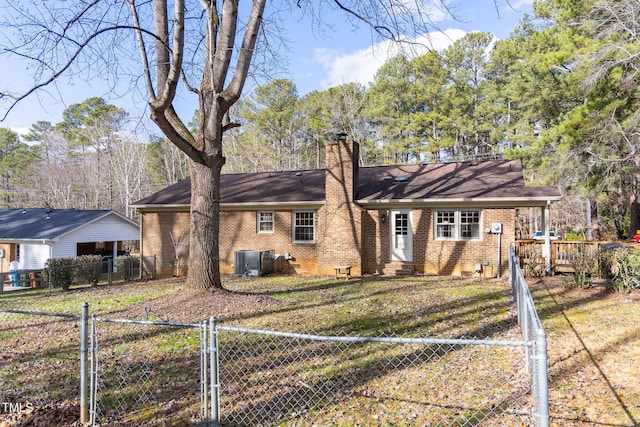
<point>316,62</point>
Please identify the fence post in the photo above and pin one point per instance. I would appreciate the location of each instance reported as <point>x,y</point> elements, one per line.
<point>93,373</point>
<point>213,365</point>
<point>542,389</point>
<point>204,368</point>
<point>84,346</point>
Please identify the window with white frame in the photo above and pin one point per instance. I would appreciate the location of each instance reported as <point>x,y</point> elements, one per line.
<point>457,224</point>
<point>304,226</point>
<point>469,224</point>
<point>265,222</point>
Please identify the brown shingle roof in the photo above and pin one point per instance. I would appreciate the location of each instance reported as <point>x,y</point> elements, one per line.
<point>494,179</point>
<point>463,180</point>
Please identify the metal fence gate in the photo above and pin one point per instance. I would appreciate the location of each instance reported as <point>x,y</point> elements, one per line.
<point>146,372</point>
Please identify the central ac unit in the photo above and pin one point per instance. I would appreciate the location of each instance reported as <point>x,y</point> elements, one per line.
<point>253,263</point>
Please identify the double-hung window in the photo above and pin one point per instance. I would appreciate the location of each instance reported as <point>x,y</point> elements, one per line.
<point>265,222</point>
<point>304,223</point>
<point>469,224</point>
<point>457,224</point>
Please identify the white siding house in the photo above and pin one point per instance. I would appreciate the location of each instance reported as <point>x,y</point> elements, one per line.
<point>34,256</point>
<point>32,236</point>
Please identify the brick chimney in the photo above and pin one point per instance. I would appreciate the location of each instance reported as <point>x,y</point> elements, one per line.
<point>342,172</point>
<point>341,240</point>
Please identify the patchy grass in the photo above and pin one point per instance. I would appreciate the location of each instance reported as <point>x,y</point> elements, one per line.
<point>102,299</point>
<point>418,307</point>
<point>593,341</point>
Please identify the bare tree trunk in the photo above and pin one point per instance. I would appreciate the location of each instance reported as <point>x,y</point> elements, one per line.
<point>635,214</point>
<point>204,250</point>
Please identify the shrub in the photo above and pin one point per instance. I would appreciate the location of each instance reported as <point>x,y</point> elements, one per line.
<point>621,267</point>
<point>535,263</point>
<point>575,235</point>
<point>584,261</point>
<point>59,272</point>
<point>88,269</point>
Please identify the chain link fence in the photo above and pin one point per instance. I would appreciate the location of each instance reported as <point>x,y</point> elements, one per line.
<point>39,367</point>
<point>273,378</point>
<point>103,271</point>
<point>145,372</point>
<point>534,333</point>
<point>149,371</point>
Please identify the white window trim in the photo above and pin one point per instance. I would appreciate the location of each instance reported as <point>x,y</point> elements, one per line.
<point>258,222</point>
<point>457,225</point>
<point>293,227</point>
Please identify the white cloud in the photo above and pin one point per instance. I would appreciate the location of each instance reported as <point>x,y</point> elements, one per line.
<point>521,4</point>
<point>20,130</point>
<point>362,65</point>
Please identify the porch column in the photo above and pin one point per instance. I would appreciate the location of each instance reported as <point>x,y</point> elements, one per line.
<point>546,230</point>
<point>115,256</point>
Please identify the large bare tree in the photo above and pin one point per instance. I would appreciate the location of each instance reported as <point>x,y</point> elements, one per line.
<point>206,47</point>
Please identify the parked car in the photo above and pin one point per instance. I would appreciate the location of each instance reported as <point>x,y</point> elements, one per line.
<point>540,235</point>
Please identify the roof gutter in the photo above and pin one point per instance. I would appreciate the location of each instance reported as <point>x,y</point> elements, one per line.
<point>29,241</point>
<point>236,206</point>
<point>510,202</point>
<point>506,202</point>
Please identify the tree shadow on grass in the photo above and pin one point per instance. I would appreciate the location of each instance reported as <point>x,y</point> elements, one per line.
<point>277,390</point>
<point>267,380</point>
<point>552,308</point>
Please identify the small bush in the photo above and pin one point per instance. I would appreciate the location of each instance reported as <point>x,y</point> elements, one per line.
<point>59,272</point>
<point>621,267</point>
<point>584,261</point>
<point>535,263</point>
<point>575,235</point>
<point>88,269</point>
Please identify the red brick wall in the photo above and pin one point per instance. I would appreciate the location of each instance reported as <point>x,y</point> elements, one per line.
<point>376,241</point>
<point>156,229</point>
<point>444,257</point>
<point>238,231</point>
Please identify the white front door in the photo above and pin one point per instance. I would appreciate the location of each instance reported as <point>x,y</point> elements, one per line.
<point>401,238</point>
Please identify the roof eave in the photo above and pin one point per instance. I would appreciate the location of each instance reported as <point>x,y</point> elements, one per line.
<point>160,207</point>
<point>236,206</point>
<point>314,204</point>
<point>106,214</point>
<point>510,202</point>
<point>45,241</point>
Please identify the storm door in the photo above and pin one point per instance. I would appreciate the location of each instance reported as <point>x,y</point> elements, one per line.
<point>401,238</point>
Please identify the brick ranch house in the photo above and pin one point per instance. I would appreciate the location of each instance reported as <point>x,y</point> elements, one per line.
<point>424,218</point>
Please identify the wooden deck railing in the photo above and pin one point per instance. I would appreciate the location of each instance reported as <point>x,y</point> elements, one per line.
<point>531,256</point>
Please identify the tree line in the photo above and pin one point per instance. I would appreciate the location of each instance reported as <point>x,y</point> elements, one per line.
<point>561,93</point>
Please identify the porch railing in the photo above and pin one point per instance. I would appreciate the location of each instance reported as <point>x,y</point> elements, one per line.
<point>531,255</point>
